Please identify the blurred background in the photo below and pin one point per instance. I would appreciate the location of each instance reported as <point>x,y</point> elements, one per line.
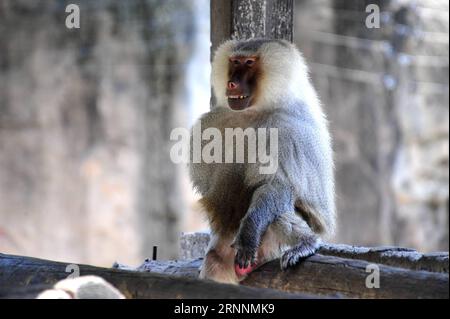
<point>86,115</point>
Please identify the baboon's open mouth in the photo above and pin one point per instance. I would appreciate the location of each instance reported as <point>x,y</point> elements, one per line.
<point>238,102</point>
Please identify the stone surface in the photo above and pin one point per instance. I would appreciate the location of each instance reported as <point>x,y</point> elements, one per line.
<point>85,117</point>
<point>386,95</point>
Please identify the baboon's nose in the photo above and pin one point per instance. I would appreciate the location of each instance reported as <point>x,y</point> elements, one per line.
<point>232,85</point>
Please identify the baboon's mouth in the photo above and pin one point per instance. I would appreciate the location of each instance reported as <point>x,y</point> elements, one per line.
<point>238,102</point>
<point>237,97</point>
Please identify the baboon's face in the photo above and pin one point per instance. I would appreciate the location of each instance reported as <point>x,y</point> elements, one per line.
<point>243,76</point>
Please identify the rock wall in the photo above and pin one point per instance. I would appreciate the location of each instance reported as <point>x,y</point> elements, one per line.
<point>386,93</point>
<point>85,116</point>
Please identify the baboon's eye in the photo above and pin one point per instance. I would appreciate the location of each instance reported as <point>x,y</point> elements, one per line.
<point>235,61</point>
<point>250,62</point>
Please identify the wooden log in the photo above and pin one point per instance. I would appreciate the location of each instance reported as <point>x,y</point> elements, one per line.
<point>28,292</point>
<point>317,275</point>
<point>347,277</point>
<point>392,256</point>
<point>194,245</point>
<point>327,275</point>
<point>26,277</point>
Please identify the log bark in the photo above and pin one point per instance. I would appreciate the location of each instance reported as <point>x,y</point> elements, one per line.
<point>25,277</point>
<point>347,277</point>
<point>194,245</point>
<point>328,275</point>
<point>391,256</point>
<point>319,275</point>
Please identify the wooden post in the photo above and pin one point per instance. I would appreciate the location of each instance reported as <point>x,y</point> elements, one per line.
<point>244,19</point>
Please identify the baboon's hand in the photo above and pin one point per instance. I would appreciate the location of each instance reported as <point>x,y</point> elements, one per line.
<point>307,247</point>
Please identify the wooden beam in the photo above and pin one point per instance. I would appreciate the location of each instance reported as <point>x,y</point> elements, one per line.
<point>220,16</point>
<point>244,19</point>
